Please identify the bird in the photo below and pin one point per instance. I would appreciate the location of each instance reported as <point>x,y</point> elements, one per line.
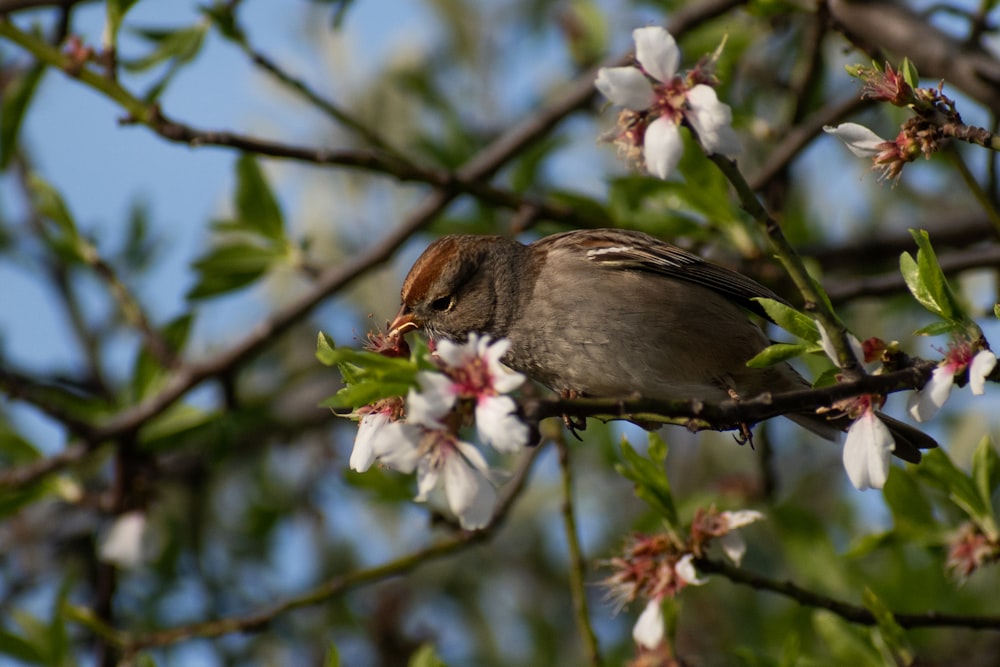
<point>611,313</point>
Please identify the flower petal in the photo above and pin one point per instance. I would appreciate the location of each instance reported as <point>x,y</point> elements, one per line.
<point>434,400</point>
<point>685,570</point>
<point>470,496</point>
<point>648,630</point>
<point>741,518</point>
<point>122,545</point>
<point>662,147</point>
<point>456,354</point>
<point>625,87</point>
<point>712,120</point>
<point>827,344</point>
<point>859,139</point>
<point>498,425</point>
<point>397,446</point>
<point>867,450</point>
<point>981,366</point>
<point>363,454</point>
<point>657,52</point>
<point>925,403</point>
<point>734,546</point>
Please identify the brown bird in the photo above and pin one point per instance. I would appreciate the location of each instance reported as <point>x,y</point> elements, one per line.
<point>610,313</point>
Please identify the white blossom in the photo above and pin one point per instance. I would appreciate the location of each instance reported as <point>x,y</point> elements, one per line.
<point>125,542</point>
<point>732,542</point>
<point>648,630</point>
<point>654,88</point>
<point>867,450</point>
<point>859,139</point>
<point>685,571</point>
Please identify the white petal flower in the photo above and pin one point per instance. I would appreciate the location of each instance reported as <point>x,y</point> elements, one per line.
<point>741,518</point>
<point>685,570</point>
<point>625,87</point>
<point>859,139</point>
<point>867,449</point>
<point>657,52</point>
<point>363,454</point>
<point>470,496</point>
<point>712,120</point>
<point>397,445</point>
<point>926,402</point>
<point>827,344</point>
<point>662,147</point>
<point>981,366</point>
<point>498,425</point>
<point>123,543</point>
<point>734,546</point>
<point>434,400</point>
<point>648,630</point>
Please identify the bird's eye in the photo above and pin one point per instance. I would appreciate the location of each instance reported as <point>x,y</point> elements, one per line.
<point>443,303</point>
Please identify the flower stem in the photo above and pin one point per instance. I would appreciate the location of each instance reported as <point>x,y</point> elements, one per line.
<point>577,566</point>
<point>817,303</point>
<point>977,191</point>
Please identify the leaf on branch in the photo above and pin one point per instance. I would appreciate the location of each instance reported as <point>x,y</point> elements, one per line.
<point>250,245</point>
<point>927,282</point>
<point>148,375</point>
<point>777,353</point>
<point>798,324</point>
<point>116,10</point>
<point>14,106</point>
<point>62,234</point>
<point>889,630</point>
<point>938,470</point>
<point>650,478</point>
<point>368,376</point>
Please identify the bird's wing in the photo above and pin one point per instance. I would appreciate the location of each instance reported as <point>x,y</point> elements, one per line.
<point>631,250</point>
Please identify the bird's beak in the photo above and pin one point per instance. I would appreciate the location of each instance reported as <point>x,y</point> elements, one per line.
<point>404,322</point>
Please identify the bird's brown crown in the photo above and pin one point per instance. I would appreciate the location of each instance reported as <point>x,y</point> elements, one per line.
<point>426,271</point>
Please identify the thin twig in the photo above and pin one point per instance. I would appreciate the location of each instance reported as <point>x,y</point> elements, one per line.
<point>577,567</point>
<point>257,620</point>
<point>849,612</point>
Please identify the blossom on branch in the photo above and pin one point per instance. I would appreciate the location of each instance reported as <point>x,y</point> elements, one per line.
<point>471,384</point>
<point>657,100</point>
<point>962,355</point>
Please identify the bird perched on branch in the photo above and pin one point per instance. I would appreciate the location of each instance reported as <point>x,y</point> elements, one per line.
<point>610,313</point>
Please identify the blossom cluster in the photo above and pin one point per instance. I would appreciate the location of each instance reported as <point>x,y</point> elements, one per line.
<point>869,444</point>
<point>422,433</point>
<point>657,100</point>
<point>656,567</point>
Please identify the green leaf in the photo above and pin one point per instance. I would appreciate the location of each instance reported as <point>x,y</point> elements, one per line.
<point>368,376</point>
<point>116,10</point>
<point>798,324</point>
<point>939,471</point>
<point>986,470</point>
<point>332,657</point>
<point>181,45</point>
<point>777,353</point>
<point>927,282</point>
<point>231,266</point>
<point>891,632</point>
<point>147,373</point>
<point>912,513</point>
<point>20,649</point>
<point>13,108</point>
<point>51,206</point>
<point>650,478</point>
<point>255,204</point>
<point>909,71</point>
<point>426,656</point>
<point>848,645</point>
<point>938,328</point>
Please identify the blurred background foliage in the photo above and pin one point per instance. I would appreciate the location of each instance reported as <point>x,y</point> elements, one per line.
<point>234,177</point>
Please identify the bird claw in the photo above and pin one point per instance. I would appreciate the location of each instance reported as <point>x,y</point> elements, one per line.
<point>745,435</point>
<point>574,424</point>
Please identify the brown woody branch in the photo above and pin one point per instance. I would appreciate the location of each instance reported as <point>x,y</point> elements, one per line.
<point>849,612</point>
